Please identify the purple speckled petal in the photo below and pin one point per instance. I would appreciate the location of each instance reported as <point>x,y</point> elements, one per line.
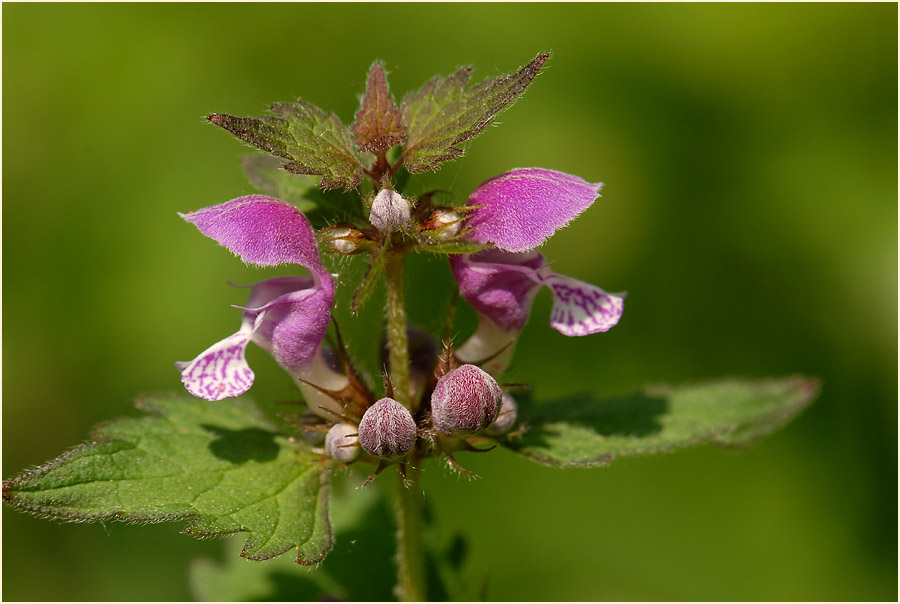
<point>499,285</point>
<point>261,230</point>
<point>220,371</point>
<point>521,208</point>
<point>286,316</point>
<point>580,309</point>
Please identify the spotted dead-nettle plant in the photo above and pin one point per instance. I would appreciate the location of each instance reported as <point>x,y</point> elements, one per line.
<point>223,464</point>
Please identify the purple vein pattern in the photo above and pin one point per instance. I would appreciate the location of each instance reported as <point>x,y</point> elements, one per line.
<point>220,371</point>
<point>286,316</point>
<point>580,309</point>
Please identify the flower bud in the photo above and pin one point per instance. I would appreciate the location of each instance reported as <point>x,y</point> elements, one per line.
<point>506,419</point>
<point>389,211</point>
<point>340,445</point>
<point>344,239</point>
<point>465,401</point>
<point>387,430</point>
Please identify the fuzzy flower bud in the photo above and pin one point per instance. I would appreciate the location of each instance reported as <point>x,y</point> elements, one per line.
<point>389,211</point>
<point>506,419</point>
<point>465,401</point>
<point>340,445</point>
<point>387,430</point>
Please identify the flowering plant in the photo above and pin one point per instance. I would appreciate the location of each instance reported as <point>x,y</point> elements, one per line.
<point>225,465</point>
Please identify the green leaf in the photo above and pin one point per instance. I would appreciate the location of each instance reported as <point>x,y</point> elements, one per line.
<point>377,126</point>
<point>365,541</point>
<point>444,113</point>
<point>371,278</point>
<point>365,538</point>
<point>220,465</point>
<point>237,580</point>
<point>588,431</point>
<point>312,141</point>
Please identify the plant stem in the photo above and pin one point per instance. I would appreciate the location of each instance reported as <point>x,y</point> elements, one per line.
<point>410,554</point>
<point>397,339</point>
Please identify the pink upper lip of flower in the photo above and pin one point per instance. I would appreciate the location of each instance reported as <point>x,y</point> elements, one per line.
<point>518,210</point>
<point>515,212</point>
<point>287,316</point>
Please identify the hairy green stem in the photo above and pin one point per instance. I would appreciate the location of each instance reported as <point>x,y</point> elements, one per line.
<point>410,553</point>
<point>397,339</point>
<point>410,556</point>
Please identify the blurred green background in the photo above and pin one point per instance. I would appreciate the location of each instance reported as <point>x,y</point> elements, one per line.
<point>750,211</point>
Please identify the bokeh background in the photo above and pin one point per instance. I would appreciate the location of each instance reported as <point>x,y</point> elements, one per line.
<point>750,211</point>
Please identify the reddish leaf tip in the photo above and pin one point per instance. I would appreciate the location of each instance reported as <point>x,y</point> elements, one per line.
<point>809,387</point>
<point>378,124</point>
<point>377,69</point>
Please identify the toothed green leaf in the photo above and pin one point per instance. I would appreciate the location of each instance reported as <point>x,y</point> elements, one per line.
<point>365,537</point>
<point>590,431</point>
<point>378,125</point>
<point>444,113</point>
<point>309,139</point>
<point>221,466</point>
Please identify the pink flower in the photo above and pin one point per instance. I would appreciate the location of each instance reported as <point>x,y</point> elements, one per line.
<point>516,212</point>
<point>286,316</point>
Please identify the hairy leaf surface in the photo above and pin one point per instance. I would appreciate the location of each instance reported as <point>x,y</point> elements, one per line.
<point>445,113</point>
<point>378,124</point>
<point>219,465</point>
<point>590,431</point>
<point>364,540</point>
<point>309,139</point>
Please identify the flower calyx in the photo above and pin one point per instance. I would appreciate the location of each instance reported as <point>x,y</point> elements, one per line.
<point>443,224</point>
<point>345,239</point>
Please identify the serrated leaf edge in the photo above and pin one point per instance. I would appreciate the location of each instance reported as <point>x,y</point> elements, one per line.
<point>453,147</point>
<point>47,513</point>
<point>808,388</point>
